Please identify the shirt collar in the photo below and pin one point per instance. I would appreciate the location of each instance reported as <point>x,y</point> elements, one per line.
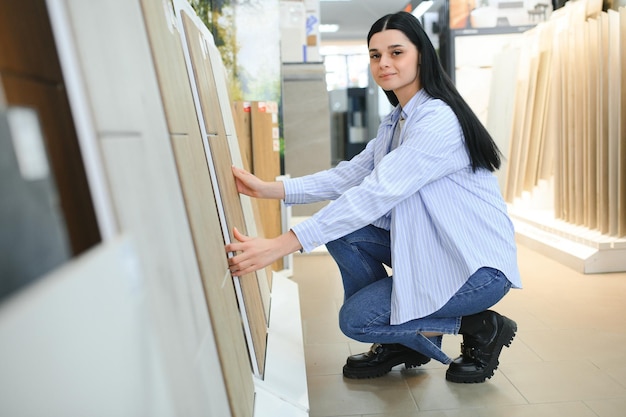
<point>420,97</point>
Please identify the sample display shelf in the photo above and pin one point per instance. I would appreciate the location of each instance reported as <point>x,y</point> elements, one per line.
<point>283,391</point>
<point>580,248</point>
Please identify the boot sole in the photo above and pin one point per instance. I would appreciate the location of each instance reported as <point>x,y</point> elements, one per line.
<point>509,328</point>
<point>381,369</point>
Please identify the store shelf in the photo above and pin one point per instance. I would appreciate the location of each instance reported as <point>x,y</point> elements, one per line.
<point>582,249</point>
<point>283,392</point>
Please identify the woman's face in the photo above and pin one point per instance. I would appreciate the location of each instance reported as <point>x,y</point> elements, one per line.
<point>393,63</point>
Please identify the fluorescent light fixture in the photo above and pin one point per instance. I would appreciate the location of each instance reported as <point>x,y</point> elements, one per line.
<point>422,8</point>
<point>328,28</point>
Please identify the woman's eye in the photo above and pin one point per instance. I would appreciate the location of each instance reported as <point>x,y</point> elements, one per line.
<point>396,52</point>
<point>374,56</point>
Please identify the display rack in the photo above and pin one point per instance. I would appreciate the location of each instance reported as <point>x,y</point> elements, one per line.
<point>580,248</point>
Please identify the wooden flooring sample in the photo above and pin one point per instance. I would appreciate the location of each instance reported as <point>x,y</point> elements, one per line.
<point>201,207</point>
<point>217,147</point>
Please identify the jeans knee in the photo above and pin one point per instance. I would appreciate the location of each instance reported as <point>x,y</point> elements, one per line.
<point>348,325</point>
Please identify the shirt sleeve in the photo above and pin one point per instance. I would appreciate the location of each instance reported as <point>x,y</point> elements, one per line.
<point>432,148</point>
<point>332,183</point>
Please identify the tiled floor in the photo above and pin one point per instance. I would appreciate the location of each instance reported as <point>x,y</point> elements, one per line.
<point>568,358</point>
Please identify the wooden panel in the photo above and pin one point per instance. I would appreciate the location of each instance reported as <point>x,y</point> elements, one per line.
<point>526,141</point>
<point>263,276</point>
<point>241,119</point>
<point>621,181</point>
<point>556,120</point>
<point>50,102</point>
<point>266,164</point>
<point>614,115</point>
<point>26,42</point>
<point>122,93</point>
<point>170,270</point>
<point>218,284</point>
<point>569,130</point>
<point>116,64</point>
<point>30,75</point>
<point>205,81</point>
<point>217,147</point>
<point>83,328</point>
<point>519,120</point>
<point>577,70</point>
<point>538,132</point>
<point>241,116</point>
<point>169,60</point>
<point>201,206</point>
<point>593,93</point>
<point>603,126</point>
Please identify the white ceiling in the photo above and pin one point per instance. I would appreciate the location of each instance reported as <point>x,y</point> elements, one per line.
<point>355,17</point>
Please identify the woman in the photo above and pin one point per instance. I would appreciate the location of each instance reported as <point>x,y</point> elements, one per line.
<point>420,198</point>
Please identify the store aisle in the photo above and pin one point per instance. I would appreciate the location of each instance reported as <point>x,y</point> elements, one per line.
<point>568,359</point>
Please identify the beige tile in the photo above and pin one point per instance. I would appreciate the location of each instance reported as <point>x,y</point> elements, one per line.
<point>561,381</point>
<point>568,409</point>
<point>559,344</point>
<point>565,360</point>
<point>608,408</point>
<point>333,395</point>
<point>326,359</point>
<point>317,331</point>
<point>614,366</point>
<point>432,392</point>
<point>319,308</point>
<point>401,414</point>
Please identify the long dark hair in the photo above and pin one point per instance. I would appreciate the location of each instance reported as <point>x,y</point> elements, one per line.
<point>483,151</point>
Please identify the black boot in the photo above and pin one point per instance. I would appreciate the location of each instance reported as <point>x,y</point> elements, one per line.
<point>484,335</point>
<point>380,359</point>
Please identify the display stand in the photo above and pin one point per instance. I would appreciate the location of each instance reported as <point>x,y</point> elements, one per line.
<point>580,248</point>
<point>283,391</point>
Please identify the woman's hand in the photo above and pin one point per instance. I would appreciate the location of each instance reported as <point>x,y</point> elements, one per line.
<point>253,186</point>
<point>252,254</point>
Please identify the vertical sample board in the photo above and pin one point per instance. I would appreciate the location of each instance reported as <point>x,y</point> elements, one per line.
<point>204,74</point>
<point>266,163</point>
<point>574,101</point>
<point>116,95</point>
<point>263,276</point>
<point>200,202</point>
<point>241,111</point>
<point>621,181</point>
<point>30,76</point>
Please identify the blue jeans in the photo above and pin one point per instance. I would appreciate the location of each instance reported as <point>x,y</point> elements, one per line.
<point>365,314</point>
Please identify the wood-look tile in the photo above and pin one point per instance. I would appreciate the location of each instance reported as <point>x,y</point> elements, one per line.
<point>332,395</point>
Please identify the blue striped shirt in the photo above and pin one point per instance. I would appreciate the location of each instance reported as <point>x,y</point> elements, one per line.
<point>445,220</point>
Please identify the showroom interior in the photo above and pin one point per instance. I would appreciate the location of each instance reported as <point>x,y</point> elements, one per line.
<point>120,121</point>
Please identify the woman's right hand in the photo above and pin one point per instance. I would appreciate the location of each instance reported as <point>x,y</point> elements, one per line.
<point>253,186</point>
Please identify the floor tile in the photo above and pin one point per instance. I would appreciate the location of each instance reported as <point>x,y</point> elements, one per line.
<point>567,358</point>
<point>334,395</point>
<point>557,381</point>
<point>608,408</point>
<point>432,392</point>
<point>326,359</point>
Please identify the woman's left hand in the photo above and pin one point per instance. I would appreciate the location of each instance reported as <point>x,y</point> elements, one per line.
<point>253,253</point>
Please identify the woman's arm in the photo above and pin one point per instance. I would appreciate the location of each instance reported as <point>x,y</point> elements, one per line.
<point>252,254</point>
<point>253,186</point>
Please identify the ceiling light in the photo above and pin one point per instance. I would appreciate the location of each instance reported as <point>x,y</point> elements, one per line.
<point>328,28</point>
